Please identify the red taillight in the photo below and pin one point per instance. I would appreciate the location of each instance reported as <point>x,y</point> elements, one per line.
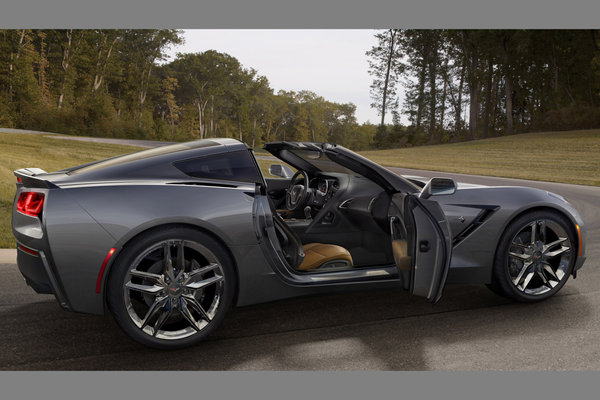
<point>19,180</point>
<point>30,203</point>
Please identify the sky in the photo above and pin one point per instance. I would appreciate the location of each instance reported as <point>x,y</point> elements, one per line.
<point>330,62</point>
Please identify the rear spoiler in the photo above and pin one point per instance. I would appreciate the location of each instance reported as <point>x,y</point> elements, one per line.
<point>28,178</point>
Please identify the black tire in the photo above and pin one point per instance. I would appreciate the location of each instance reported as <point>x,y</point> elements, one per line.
<point>502,280</point>
<point>118,295</point>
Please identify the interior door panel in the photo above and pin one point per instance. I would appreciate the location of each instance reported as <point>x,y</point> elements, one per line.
<point>426,233</point>
<point>276,188</point>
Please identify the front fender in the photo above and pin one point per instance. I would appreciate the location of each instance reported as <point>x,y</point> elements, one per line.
<point>473,257</point>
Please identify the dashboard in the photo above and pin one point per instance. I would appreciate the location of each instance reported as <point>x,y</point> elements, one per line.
<point>324,188</point>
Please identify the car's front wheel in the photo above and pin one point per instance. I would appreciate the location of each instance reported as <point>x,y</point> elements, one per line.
<point>171,287</point>
<point>535,257</point>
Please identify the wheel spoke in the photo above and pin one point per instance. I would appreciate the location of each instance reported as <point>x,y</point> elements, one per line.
<point>148,289</point>
<point>167,262</point>
<point>527,279</point>
<point>180,259</point>
<point>519,246</point>
<point>161,320</point>
<point>519,256</point>
<point>520,276</point>
<point>154,309</point>
<point>194,304</point>
<point>185,311</point>
<point>555,253</point>
<point>198,271</point>
<point>546,282</point>
<point>555,243</point>
<point>204,283</point>
<point>146,275</point>
<point>548,268</point>
<point>534,232</point>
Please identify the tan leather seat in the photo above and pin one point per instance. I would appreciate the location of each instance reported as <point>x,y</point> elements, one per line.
<point>403,260</point>
<point>317,254</point>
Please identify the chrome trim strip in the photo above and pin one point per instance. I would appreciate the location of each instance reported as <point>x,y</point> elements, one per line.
<point>349,275</point>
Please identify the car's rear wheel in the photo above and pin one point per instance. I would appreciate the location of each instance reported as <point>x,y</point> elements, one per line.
<point>535,257</point>
<point>171,287</point>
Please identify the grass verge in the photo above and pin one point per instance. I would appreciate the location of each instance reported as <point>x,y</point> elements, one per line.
<point>23,151</point>
<point>568,157</point>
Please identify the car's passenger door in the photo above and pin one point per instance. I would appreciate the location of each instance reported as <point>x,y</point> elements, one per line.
<point>421,243</point>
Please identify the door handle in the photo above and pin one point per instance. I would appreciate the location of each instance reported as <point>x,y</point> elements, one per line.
<point>423,246</point>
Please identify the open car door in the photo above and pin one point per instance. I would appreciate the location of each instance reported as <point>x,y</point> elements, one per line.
<point>421,239</point>
<point>421,243</point>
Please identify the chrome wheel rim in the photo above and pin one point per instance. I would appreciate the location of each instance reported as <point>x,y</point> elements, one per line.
<point>539,257</point>
<point>173,289</point>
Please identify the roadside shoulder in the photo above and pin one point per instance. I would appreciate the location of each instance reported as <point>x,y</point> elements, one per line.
<point>8,256</point>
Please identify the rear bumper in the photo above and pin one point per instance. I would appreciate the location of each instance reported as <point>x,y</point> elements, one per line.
<point>38,274</point>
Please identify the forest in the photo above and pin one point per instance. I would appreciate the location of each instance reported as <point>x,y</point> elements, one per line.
<point>462,85</point>
<point>450,85</point>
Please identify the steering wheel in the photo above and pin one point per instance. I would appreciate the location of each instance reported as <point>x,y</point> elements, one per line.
<point>296,195</point>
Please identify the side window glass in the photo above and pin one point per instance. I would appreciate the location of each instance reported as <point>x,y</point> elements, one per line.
<point>233,166</point>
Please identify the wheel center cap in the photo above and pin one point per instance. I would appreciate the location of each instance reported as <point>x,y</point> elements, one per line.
<point>537,256</point>
<point>174,289</point>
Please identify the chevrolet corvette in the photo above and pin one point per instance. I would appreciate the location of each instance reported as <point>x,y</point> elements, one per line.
<point>169,239</point>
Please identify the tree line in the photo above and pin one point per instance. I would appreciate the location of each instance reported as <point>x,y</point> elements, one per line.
<point>469,84</point>
<point>117,83</point>
<point>450,85</point>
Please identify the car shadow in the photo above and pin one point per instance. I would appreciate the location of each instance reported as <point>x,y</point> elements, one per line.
<point>382,330</point>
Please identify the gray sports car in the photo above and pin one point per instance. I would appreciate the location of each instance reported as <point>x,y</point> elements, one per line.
<point>169,239</point>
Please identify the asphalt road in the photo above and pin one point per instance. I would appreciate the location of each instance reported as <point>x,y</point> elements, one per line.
<point>60,136</point>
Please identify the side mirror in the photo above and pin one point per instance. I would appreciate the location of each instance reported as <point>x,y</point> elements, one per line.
<point>438,187</point>
<point>280,170</point>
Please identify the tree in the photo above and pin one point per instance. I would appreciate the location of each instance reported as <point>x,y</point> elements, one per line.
<point>70,47</point>
<point>104,42</point>
<point>422,49</point>
<point>168,86</point>
<point>385,66</point>
<point>143,48</point>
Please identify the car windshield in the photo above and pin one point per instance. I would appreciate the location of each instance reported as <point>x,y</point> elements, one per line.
<point>320,160</point>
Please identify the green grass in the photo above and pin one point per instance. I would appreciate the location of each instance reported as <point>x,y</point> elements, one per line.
<point>568,157</point>
<point>22,151</point>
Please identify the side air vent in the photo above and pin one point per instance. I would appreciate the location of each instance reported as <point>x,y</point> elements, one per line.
<point>371,204</point>
<point>346,203</point>
<point>480,219</point>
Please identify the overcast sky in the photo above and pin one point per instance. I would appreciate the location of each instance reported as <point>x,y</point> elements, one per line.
<point>331,63</point>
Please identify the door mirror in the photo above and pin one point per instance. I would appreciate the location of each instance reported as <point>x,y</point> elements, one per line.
<point>438,187</point>
<point>280,170</point>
